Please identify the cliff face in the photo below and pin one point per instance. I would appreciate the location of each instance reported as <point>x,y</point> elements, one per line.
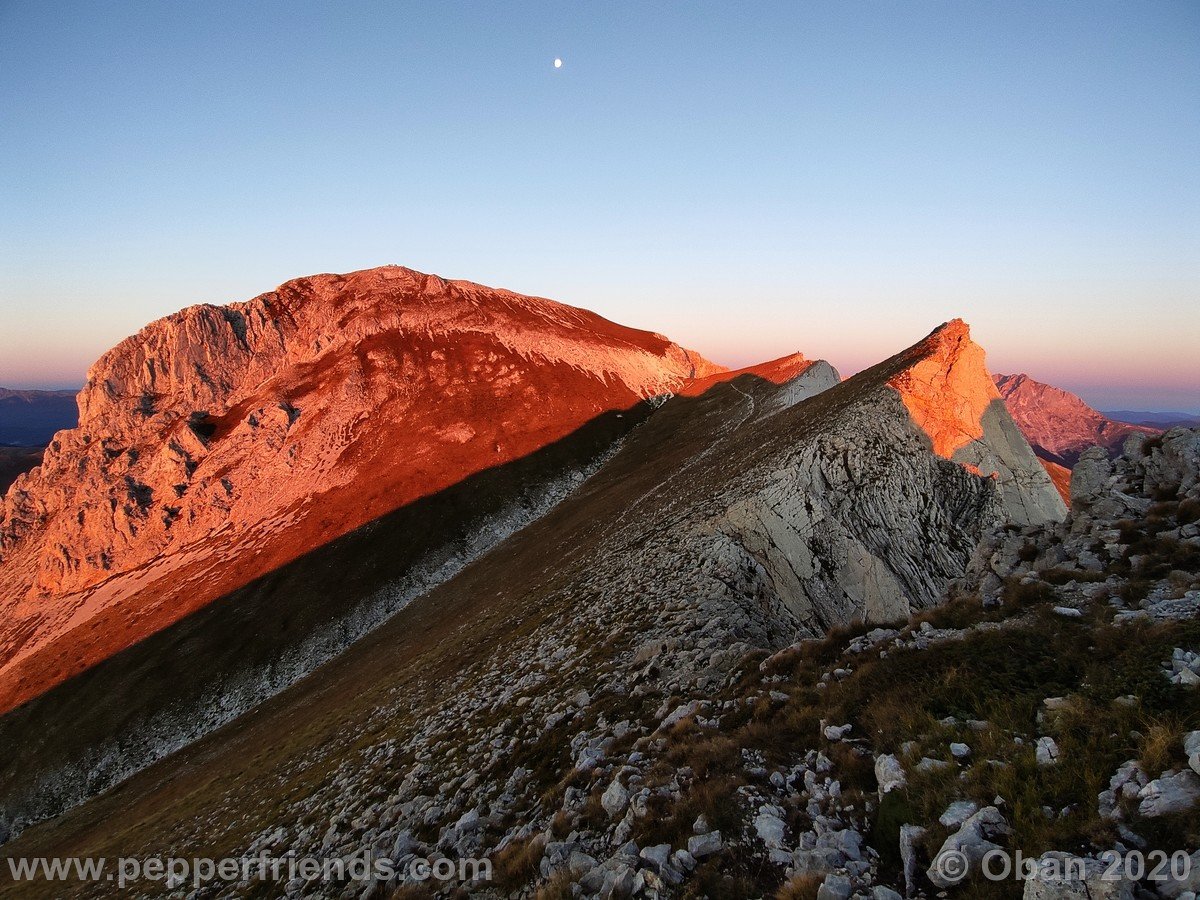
<point>886,494</point>
<point>949,393</point>
<point>738,520</point>
<point>1058,424</point>
<point>221,442</point>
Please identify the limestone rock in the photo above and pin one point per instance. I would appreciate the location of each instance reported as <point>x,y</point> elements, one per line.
<point>1061,876</point>
<point>972,841</point>
<point>1170,793</point>
<point>889,773</point>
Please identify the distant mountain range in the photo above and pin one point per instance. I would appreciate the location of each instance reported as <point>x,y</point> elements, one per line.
<point>1162,420</point>
<point>31,418</point>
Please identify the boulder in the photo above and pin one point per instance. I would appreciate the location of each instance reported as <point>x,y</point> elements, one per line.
<point>1047,751</point>
<point>890,774</point>
<point>1175,888</point>
<point>1175,464</point>
<point>771,829</point>
<point>909,836</point>
<point>702,845</point>
<point>615,799</point>
<point>1191,746</point>
<point>958,812</point>
<point>1169,793</point>
<point>1061,876</point>
<point>971,842</point>
<point>1090,478</point>
<point>657,857</point>
<point>836,732</point>
<point>835,887</point>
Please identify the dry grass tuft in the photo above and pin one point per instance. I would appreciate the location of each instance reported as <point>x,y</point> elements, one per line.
<point>799,887</point>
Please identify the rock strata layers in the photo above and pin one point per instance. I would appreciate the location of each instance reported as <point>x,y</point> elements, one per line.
<point>222,442</point>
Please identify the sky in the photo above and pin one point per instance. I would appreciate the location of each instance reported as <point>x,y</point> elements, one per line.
<point>751,180</point>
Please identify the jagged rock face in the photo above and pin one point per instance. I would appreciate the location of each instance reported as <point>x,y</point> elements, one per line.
<point>1159,468</point>
<point>221,442</point>
<point>864,522</point>
<point>950,395</point>
<point>740,519</point>
<point>1059,425</point>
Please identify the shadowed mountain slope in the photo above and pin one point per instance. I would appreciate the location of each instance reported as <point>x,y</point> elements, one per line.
<point>743,518</point>
<point>220,443</point>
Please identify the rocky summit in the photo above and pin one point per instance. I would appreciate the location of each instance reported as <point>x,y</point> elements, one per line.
<point>224,441</point>
<point>763,633</point>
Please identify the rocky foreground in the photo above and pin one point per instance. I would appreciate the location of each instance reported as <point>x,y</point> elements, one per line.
<point>1049,706</point>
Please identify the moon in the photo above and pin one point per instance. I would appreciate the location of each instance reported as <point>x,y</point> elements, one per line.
<point>557,63</point>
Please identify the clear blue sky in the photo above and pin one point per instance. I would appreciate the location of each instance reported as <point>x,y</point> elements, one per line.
<point>750,179</point>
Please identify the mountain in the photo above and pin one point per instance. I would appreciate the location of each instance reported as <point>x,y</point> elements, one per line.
<point>223,442</point>
<point>15,461</point>
<point>30,418</point>
<point>1163,421</point>
<point>1058,425</point>
<point>728,523</point>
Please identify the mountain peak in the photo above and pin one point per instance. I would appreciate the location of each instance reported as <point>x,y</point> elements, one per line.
<point>1058,424</point>
<point>945,385</point>
<point>259,430</point>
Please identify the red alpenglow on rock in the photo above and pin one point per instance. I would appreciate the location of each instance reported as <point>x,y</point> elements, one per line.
<point>222,442</point>
<point>1059,425</point>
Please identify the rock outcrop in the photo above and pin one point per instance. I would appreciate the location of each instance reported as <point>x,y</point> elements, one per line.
<point>750,516</point>
<point>222,442</point>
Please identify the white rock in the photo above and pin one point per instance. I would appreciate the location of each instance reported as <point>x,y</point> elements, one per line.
<point>837,732</point>
<point>679,713</point>
<point>972,841</point>
<point>835,887</point>
<point>889,773</point>
<point>771,830</point>
<point>1169,794</point>
<point>1191,746</point>
<point>909,836</point>
<point>702,845</point>
<point>1047,751</point>
<point>1181,888</point>
<point>958,812</point>
<point>1061,876</point>
<point>615,799</point>
<point>658,856</point>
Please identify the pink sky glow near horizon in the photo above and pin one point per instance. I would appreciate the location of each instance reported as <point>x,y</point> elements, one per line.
<point>1110,364</point>
<point>830,178</point>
